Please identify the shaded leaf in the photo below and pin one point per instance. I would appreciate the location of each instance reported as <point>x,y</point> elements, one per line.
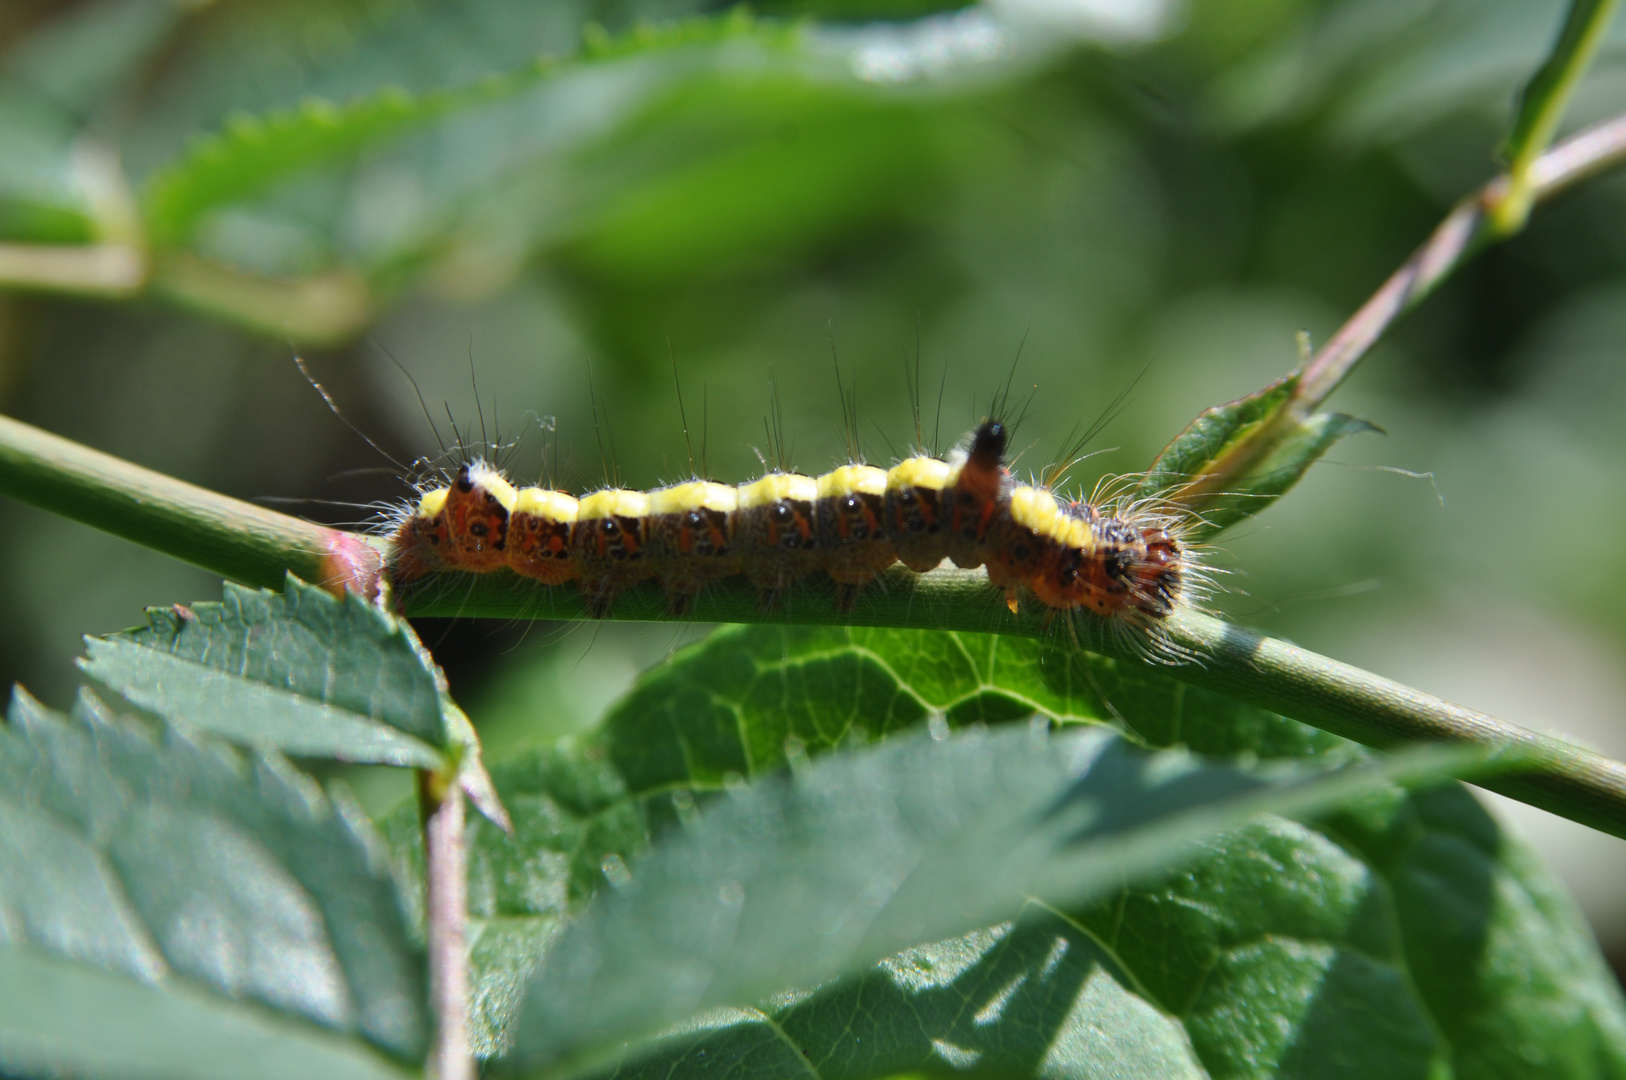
<point>135,861</point>
<point>790,883</point>
<point>304,671</point>
<point>1037,998</point>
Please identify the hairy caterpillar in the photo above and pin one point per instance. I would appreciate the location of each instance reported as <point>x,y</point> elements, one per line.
<point>1115,559</point>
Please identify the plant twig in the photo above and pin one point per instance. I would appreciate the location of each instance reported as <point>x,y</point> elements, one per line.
<point>333,305</point>
<point>446,912</point>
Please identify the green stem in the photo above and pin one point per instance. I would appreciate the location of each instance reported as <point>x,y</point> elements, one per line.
<point>1554,775</point>
<point>257,546</point>
<point>1557,776</point>
<point>113,270</point>
<point>1543,102</point>
<point>234,539</point>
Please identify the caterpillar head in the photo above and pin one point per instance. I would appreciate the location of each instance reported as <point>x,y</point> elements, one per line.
<point>1111,566</point>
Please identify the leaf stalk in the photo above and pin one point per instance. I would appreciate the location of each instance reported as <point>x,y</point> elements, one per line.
<point>447,915</point>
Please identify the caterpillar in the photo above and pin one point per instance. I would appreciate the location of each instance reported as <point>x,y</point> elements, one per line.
<point>1113,558</point>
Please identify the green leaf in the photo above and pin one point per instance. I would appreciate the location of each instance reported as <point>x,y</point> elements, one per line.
<point>792,882</point>
<point>856,10</point>
<point>733,707</point>
<point>51,83</point>
<point>254,153</point>
<point>1209,436</point>
<point>1234,460</point>
<point>185,885</point>
<point>588,157</point>
<point>305,672</point>
<point>59,1017</point>
<point>1289,455</point>
<point>586,811</point>
<point>1431,947</point>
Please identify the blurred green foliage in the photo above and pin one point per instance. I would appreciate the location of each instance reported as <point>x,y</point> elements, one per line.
<point>1180,185</point>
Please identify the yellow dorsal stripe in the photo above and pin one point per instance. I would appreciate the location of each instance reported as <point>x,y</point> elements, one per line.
<point>1037,509</point>
<point>853,480</point>
<point>695,495</point>
<point>433,502</point>
<point>616,502</point>
<point>922,472</point>
<point>776,487</point>
<point>545,504</point>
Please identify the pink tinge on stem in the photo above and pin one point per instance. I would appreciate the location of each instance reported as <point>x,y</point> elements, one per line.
<point>351,564</point>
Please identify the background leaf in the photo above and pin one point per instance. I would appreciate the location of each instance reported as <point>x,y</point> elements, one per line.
<point>304,672</point>
<point>256,152</point>
<point>134,861</point>
<point>53,85</point>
